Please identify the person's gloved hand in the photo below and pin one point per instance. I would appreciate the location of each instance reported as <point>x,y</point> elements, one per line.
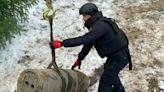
<point>55,44</point>
<point>76,63</point>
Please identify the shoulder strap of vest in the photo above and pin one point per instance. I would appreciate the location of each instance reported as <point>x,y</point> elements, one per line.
<point>112,23</point>
<point>114,26</point>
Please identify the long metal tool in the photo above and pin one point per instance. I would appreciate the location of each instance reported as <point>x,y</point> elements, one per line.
<point>53,62</point>
<point>50,19</point>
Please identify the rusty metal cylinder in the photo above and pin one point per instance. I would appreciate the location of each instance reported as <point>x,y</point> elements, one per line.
<point>50,80</point>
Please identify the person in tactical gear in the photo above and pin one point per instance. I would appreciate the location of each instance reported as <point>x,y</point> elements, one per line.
<point>109,41</point>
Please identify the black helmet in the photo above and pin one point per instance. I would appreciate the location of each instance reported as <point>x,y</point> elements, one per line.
<point>88,8</point>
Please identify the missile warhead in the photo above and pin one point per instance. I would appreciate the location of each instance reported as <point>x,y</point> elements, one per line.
<point>50,80</point>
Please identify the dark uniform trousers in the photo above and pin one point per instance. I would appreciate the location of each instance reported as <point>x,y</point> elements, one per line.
<point>110,81</point>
